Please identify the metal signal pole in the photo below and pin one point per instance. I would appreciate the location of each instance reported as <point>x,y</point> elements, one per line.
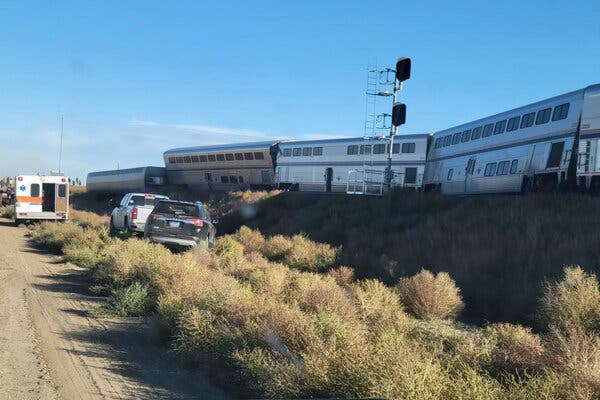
<point>398,113</point>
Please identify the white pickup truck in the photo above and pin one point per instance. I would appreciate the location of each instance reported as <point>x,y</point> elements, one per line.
<point>133,210</point>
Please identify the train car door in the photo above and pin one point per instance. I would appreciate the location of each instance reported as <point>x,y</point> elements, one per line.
<point>328,179</point>
<point>469,173</point>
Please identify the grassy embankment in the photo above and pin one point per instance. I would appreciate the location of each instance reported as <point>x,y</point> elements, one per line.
<point>260,313</point>
<point>499,249</point>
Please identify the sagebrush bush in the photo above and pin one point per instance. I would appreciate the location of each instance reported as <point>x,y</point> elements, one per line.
<point>515,348</point>
<point>343,275</point>
<point>430,296</point>
<point>573,301</point>
<point>132,300</point>
<point>576,354</point>
<point>7,211</point>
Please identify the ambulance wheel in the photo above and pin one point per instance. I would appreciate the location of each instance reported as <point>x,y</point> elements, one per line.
<point>17,222</point>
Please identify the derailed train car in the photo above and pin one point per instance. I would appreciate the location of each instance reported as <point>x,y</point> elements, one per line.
<point>140,179</point>
<point>223,167</point>
<point>543,146</point>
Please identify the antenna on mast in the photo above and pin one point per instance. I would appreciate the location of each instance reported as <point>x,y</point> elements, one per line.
<point>61,144</point>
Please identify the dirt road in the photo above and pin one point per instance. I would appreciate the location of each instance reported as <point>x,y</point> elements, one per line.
<point>54,346</point>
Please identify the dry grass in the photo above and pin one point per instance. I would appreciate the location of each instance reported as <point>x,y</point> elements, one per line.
<point>277,331</point>
<point>429,296</point>
<point>498,249</point>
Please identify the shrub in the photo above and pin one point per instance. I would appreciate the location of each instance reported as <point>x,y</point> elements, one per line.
<point>515,348</point>
<point>576,354</point>
<point>307,255</point>
<point>252,240</point>
<point>573,301</point>
<point>7,211</point>
<point>276,247</point>
<point>55,236</point>
<point>344,276</point>
<point>228,253</point>
<point>430,296</point>
<point>132,300</point>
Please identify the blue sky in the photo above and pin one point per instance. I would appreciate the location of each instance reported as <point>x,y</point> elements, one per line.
<point>133,79</point>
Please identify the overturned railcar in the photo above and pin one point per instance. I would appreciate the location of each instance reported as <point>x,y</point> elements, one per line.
<point>225,167</point>
<point>141,179</point>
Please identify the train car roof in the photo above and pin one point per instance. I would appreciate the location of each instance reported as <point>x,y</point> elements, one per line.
<point>354,139</point>
<point>223,147</point>
<point>516,110</point>
<point>121,171</point>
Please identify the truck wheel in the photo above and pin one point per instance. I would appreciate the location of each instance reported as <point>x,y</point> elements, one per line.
<point>17,222</point>
<point>112,231</point>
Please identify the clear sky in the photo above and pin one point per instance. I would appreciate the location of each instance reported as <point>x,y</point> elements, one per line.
<point>133,79</point>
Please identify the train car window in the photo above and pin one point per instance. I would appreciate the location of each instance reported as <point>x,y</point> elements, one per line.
<point>187,159</point>
<point>476,134</point>
<point>250,156</point>
<point>286,153</point>
<point>233,179</point>
<point>172,160</point>
<point>450,173</point>
<point>307,151</point>
<point>503,167</point>
<point>195,159</point>
<point>396,148</point>
<point>560,112</point>
<point>490,169</point>
<point>408,147</point>
<point>229,156</point>
<point>220,157</point>
<point>365,149</point>
<point>447,140</point>
<point>513,166</point>
<point>259,156</point>
<point>543,116</point>
<point>500,127</point>
<point>352,150</point>
<point>212,158</point>
<point>224,179</point>
<point>456,138</point>
<point>466,136</point>
<point>513,124</point>
<point>487,130</point>
<point>378,148</point>
<point>555,155</point>
<point>240,156</point>
<point>35,190</point>
<point>240,179</point>
<point>203,158</point>
<point>62,190</point>
<point>317,151</point>
<point>438,143</point>
<point>297,152</point>
<point>410,175</point>
<point>527,120</point>
<point>179,160</point>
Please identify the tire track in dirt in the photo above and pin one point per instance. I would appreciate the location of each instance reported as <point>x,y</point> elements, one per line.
<point>52,346</point>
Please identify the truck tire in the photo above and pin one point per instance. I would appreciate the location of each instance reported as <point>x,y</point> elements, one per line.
<point>112,231</point>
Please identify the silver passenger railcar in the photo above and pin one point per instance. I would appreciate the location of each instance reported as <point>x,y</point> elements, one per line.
<point>325,165</point>
<point>223,167</point>
<point>141,179</point>
<point>539,147</point>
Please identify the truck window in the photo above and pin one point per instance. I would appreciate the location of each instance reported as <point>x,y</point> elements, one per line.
<point>35,190</point>
<point>141,201</point>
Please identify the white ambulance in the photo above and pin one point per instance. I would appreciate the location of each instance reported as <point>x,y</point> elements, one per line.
<point>41,197</point>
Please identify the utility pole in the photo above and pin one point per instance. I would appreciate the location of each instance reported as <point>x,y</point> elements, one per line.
<point>61,145</point>
<point>402,73</point>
